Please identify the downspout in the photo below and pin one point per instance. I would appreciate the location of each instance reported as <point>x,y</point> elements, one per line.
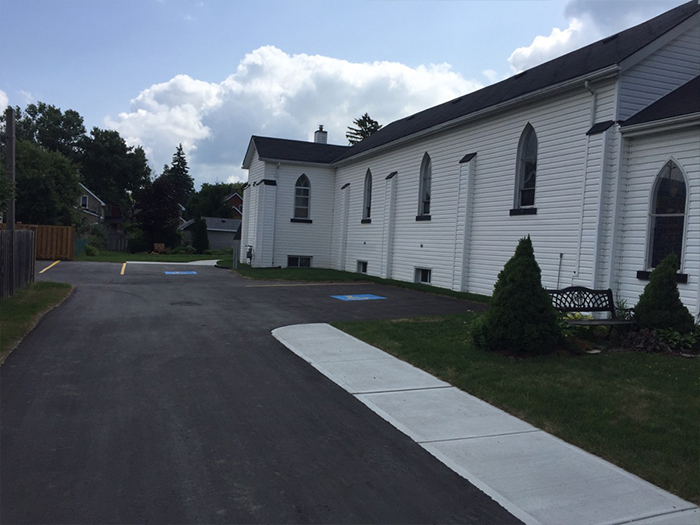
<point>594,102</point>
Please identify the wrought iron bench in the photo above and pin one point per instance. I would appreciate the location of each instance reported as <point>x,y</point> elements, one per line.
<point>581,299</point>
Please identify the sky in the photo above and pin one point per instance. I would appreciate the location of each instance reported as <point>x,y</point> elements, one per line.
<point>209,74</point>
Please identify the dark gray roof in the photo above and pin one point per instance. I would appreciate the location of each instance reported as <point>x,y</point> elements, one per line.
<point>683,101</point>
<point>594,57</point>
<point>215,223</point>
<point>296,150</point>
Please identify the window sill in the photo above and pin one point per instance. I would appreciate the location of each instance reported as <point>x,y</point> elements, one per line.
<point>295,219</point>
<point>681,278</point>
<point>523,211</point>
<point>366,221</point>
<point>422,217</point>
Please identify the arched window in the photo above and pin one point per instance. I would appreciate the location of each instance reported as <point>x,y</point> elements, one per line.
<point>426,174</point>
<point>302,195</point>
<point>367,201</point>
<point>667,214</point>
<point>527,169</point>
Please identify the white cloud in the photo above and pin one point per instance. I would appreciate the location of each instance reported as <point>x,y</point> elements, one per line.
<point>559,42</point>
<point>4,100</point>
<point>589,20</point>
<point>276,94</point>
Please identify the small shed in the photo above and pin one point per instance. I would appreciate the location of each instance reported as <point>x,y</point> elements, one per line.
<point>221,232</point>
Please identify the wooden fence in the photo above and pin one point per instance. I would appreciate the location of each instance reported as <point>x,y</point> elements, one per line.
<point>51,242</point>
<point>17,258</point>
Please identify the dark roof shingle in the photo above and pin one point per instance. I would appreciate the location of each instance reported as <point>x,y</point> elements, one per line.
<point>683,101</point>
<point>296,150</point>
<point>594,57</point>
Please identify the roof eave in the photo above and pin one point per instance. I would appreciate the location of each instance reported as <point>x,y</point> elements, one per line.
<point>249,154</point>
<point>656,126</point>
<point>296,162</point>
<point>601,74</point>
<point>659,42</point>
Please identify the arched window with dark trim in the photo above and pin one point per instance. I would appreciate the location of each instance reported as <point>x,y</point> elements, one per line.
<point>667,214</point>
<point>527,169</point>
<point>302,197</point>
<point>426,175</point>
<point>367,197</point>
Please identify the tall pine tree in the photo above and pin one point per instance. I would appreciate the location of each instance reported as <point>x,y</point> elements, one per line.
<point>178,174</point>
<point>366,125</point>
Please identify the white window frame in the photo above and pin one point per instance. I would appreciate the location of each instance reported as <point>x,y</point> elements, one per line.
<point>521,176</point>
<point>367,198</point>
<point>362,267</point>
<point>671,164</point>
<point>299,189</point>
<point>424,190</point>
<point>299,258</point>
<point>420,273</point>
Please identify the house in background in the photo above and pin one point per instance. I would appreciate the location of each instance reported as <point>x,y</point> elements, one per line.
<point>221,232</point>
<point>91,207</point>
<point>595,155</point>
<point>235,201</point>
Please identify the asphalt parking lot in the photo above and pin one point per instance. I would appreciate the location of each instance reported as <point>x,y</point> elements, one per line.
<point>154,397</point>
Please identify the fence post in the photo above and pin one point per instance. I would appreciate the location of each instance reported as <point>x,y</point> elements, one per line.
<point>10,171</point>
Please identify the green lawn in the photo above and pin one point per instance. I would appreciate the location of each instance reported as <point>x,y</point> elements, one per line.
<point>20,313</point>
<point>637,410</point>
<point>324,275</point>
<point>122,257</point>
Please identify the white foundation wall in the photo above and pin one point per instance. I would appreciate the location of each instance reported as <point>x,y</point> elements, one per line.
<point>298,238</point>
<point>645,157</point>
<point>568,183</point>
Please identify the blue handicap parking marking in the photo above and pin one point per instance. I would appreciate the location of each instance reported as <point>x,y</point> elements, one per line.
<point>358,297</point>
<point>181,273</point>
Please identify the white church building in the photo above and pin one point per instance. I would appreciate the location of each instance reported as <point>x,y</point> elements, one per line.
<point>595,155</point>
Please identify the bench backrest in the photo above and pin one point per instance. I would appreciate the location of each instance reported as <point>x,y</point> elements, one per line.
<point>581,299</point>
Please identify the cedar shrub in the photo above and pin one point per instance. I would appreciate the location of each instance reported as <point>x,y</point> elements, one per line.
<point>521,318</point>
<point>660,305</point>
<point>200,238</point>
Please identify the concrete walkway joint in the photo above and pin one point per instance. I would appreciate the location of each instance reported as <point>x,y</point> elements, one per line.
<point>537,477</point>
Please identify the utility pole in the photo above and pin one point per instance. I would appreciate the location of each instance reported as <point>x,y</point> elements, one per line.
<point>10,171</point>
<point>10,163</point>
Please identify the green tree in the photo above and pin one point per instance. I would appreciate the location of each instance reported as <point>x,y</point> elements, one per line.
<point>660,305</point>
<point>47,186</point>
<point>520,318</point>
<point>200,237</point>
<point>47,126</point>
<point>114,171</point>
<point>209,201</point>
<point>178,173</point>
<point>157,213</point>
<point>365,126</point>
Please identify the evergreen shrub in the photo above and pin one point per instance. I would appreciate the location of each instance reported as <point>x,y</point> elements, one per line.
<point>660,305</point>
<point>520,318</point>
<point>200,238</point>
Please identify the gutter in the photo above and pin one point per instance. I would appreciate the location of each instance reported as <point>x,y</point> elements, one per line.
<point>656,126</point>
<point>608,72</point>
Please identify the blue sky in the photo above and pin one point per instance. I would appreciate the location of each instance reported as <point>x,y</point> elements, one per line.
<point>211,73</point>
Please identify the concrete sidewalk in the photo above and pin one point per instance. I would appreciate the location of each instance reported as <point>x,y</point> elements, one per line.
<point>535,476</point>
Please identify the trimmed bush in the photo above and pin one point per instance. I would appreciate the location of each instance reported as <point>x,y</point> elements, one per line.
<point>660,305</point>
<point>521,318</point>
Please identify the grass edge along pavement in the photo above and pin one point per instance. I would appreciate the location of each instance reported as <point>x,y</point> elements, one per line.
<point>637,410</point>
<point>327,275</point>
<point>122,257</point>
<point>20,313</point>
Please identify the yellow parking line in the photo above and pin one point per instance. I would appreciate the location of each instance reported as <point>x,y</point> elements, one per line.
<point>50,266</point>
<point>123,268</point>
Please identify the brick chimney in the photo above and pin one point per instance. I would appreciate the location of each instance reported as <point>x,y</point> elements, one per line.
<point>320,136</point>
